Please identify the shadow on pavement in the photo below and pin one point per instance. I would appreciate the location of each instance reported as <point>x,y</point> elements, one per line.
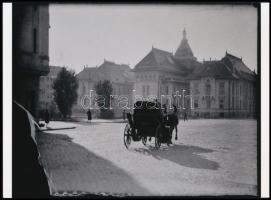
<point>185,155</point>
<point>75,168</point>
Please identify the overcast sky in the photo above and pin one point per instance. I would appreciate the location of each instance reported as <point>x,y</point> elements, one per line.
<point>86,34</point>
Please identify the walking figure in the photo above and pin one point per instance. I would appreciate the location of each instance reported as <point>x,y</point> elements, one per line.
<point>89,115</point>
<point>185,116</point>
<point>176,121</point>
<point>46,117</point>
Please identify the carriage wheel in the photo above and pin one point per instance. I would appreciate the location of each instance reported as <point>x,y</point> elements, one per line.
<point>144,140</point>
<point>158,137</point>
<point>127,135</point>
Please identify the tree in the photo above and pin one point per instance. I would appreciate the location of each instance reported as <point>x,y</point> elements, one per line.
<point>65,91</point>
<point>104,89</point>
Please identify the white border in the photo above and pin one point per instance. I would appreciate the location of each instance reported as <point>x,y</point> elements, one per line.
<point>265,100</point>
<point>7,100</point>
<point>7,97</point>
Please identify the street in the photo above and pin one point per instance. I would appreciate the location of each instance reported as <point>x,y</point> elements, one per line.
<point>210,157</point>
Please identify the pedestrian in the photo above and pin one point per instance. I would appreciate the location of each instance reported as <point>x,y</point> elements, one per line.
<point>185,116</point>
<point>165,109</point>
<point>124,115</point>
<point>89,115</point>
<point>176,121</point>
<point>46,117</point>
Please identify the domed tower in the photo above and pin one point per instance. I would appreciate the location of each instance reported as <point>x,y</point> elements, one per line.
<point>184,51</point>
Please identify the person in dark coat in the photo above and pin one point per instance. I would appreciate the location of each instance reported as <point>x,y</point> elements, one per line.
<point>89,115</point>
<point>176,121</point>
<point>185,116</point>
<point>46,117</point>
<point>29,179</point>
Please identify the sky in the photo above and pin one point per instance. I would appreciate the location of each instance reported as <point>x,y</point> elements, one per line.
<point>86,34</point>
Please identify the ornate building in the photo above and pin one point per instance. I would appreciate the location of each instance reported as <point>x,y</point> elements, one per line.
<point>30,51</point>
<point>120,76</point>
<point>164,73</point>
<point>224,88</point>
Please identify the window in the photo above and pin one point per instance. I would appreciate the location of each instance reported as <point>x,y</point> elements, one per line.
<point>208,88</point>
<point>208,103</point>
<point>83,89</point>
<point>196,103</point>
<point>221,104</point>
<point>166,89</point>
<point>143,89</point>
<point>148,89</point>
<point>221,88</point>
<point>196,88</point>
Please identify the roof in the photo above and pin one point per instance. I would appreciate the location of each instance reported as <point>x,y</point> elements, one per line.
<point>89,73</point>
<point>160,60</point>
<point>184,51</point>
<point>236,64</point>
<point>229,67</point>
<point>216,69</point>
<point>117,73</point>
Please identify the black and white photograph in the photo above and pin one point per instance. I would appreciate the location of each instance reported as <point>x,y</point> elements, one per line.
<point>136,100</point>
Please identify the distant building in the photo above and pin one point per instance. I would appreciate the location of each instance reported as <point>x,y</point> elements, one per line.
<point>30,51</point>
<point>120,76</point>
<point>224,88</point>
<point>46,91</point>
<point>164,73</point>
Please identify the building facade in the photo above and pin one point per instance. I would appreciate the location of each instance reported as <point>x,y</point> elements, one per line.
<point>120,76</point>
<point>46,91</point>
<point>30,51</point>
<point>163,75</point>
<point>224,88</point>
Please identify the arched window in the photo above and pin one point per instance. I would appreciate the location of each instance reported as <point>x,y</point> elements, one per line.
<point>83,89</point>
<point>208,88</point>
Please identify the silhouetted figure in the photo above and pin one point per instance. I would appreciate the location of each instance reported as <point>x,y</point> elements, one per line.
<point>185,116</point>
<point>176,121</point>
<point>165,109</point>
<point>46,117</point>
<point>89,115</point>
<point>124,115</point>
<point>28,176</point>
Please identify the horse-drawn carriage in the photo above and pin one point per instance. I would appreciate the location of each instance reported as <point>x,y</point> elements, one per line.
<point>148,120</point>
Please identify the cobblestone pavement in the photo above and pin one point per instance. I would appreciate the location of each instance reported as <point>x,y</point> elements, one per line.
<point>210,157</point>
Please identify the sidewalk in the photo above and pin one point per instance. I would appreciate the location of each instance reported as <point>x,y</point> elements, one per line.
<point>104,120</point>
<point>58,125</point>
